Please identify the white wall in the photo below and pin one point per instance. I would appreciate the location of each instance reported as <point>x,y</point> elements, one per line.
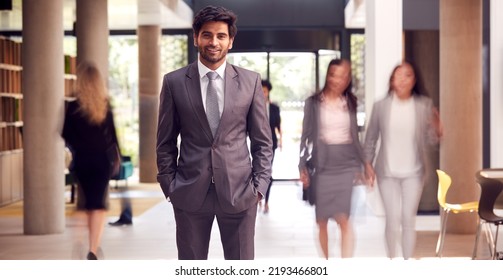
<point>496,87</point>
<point>383,48</point>
<point>383,51</point>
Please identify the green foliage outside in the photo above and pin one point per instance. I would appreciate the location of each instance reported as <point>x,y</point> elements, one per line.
<point>123,83</point>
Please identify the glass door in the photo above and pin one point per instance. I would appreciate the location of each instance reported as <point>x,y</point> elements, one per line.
<point>293,79</point>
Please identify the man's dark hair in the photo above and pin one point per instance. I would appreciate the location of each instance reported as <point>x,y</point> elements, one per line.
<point>212,13</point>
<point>267,84</point>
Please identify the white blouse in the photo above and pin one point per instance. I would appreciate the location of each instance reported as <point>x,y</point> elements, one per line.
<point>402,154</point>
<point>334,122</point>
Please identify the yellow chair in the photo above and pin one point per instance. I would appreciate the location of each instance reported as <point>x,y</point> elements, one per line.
<point>444,183</point>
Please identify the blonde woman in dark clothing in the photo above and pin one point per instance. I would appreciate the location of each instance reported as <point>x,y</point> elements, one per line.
<point>330,141</point>
<point>89,131</point>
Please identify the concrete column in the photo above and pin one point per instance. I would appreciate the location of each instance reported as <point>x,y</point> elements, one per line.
<point>42,56</point>
<point>149,37</point>
<point>92,33</point>
<point>383,51</point>
<point>461,103</point>
<point>496,87</point>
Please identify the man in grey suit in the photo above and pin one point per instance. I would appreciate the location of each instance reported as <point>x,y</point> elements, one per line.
<point>213,172</point>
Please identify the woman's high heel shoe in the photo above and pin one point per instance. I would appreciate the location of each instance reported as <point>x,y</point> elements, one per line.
<point>91,256</point>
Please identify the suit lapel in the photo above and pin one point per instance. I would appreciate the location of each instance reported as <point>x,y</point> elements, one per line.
<point>386,110</point>
<point>353,122</point>
<point>195,97</point>
<point>231,92</point>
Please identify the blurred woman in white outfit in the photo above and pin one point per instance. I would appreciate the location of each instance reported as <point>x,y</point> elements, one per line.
<point>407,124</point>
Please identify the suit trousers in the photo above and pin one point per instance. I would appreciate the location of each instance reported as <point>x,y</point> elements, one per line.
<point>193,230</point>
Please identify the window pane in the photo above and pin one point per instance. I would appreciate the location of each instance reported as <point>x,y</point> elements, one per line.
<point>293,78</point>
<point>358,71</point>
<point>123,82</point>
<point>252,61</point>
<point>123,90</point>
<point>174,52</point>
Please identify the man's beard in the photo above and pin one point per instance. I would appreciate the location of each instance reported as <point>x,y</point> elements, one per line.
<point>212,59</point>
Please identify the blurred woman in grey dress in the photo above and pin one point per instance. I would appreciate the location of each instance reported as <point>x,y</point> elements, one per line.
<point>330,142</point>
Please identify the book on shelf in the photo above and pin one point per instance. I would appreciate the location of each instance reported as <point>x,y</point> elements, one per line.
<point>10,51</point>
<point>11,109</point>
<point>18,110</point>
<point>2,47</point>
<point>69,86</point>
<point>10,80</point>
<point>5,109</point>
<point>70,74</point>
<point>11,98</point>
<point>11,138</point>
<point>70,65</point>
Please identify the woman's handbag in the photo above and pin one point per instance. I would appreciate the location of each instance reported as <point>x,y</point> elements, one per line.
<point>114,157</point>
<point>113,151</point>
<point>311,189</point>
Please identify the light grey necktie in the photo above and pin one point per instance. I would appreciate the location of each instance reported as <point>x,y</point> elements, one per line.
<point>212,110</point>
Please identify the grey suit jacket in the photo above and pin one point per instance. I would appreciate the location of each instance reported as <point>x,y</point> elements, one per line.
<point>379,125</point>
<point>186,171</point>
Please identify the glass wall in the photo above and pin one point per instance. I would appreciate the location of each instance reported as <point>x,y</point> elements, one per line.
<point>252,61</point>
<point>123,90</point>
<point>293,79</point>
<point>358,71</point>
<point>123,80</point>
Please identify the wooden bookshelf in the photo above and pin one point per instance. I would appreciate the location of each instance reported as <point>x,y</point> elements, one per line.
<point>10,51</point>
<point>11,122</point>
<point>11,116</point>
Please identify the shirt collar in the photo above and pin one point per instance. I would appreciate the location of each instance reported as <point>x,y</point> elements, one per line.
<point>203,70</point>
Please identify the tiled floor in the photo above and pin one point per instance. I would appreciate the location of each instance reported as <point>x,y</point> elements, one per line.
<point>287,231</point>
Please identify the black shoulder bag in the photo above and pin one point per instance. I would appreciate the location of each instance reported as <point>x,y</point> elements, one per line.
<point>113,151</point>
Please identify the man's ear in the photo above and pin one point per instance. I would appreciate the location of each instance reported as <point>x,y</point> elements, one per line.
<point>231,40</point>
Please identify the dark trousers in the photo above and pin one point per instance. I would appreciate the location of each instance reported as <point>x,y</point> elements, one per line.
<point>193,231</point>
<point>270,183</point>
<point>127,210</point>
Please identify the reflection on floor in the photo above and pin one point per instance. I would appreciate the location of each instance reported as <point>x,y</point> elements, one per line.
<point>287,231</point>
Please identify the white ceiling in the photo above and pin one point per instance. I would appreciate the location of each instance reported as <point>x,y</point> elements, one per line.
<point>122,14</point>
